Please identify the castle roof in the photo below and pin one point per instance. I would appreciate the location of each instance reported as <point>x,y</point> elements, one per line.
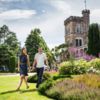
<point>86,11</point>
<point>73,19</point>
<point>76,18</point>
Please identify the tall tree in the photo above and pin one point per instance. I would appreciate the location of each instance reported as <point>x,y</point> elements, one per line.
<point>35,40</point>
<point>8,48</point>
<point>5,54</point>
<point>94,40</point>
<point>3,33</point>
<point>9,38</point>
<point>7,58</point>
<point>12,42</point>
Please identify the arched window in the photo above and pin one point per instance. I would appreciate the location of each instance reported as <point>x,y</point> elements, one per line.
<point>78,42</point>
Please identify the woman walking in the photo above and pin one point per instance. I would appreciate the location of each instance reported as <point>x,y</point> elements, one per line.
<point>23,64</point>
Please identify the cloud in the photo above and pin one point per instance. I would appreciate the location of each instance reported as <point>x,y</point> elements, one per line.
<point>95,12</point>
<point>21,31</point>
<point>16,14</point>
<point>13,0</point>
<point>95,16</point>
<point>43,11</point>
<point>61,6</point>
<point>51,26</point>
<point>50,23</point>
<point>1,9</point>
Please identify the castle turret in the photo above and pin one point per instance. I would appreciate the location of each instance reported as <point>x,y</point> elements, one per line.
<point>86,18</point>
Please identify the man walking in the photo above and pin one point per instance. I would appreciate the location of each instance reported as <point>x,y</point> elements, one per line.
<point>39,61</point>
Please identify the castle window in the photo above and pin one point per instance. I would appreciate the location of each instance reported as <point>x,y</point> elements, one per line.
<point>81,28</point>
<point>78,28</point>
<point>78,42</point>
<point>85,49</point>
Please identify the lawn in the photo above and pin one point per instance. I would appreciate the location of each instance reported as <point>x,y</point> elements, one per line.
<point>7,90</point>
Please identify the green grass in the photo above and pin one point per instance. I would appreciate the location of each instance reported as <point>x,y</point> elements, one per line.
<point>8,85</point>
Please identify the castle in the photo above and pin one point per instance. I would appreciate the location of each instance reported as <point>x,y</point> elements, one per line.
<point>76,30</point>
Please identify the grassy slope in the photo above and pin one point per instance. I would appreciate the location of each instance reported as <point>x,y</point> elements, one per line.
<point>7,90</point>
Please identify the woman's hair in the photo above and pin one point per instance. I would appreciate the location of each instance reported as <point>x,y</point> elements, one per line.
<point>22,53</point>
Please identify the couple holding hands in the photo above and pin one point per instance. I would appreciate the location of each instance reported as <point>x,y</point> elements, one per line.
<point>40,60</point>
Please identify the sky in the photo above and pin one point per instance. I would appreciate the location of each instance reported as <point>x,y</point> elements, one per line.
<point>21,16</point>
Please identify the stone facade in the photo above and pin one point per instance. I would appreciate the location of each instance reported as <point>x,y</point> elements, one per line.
<point>76,30</point>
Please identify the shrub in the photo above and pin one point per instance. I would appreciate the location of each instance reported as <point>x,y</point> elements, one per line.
<point>65,68</point>
<point>33,79</point>
<point>75,67</point>
<point>46,76</point>
<point>95,63</point>
<point>72,90</point>
<point>81,66</point>
<point>92,80</point>
<point>93,70</point>
<point>95,66</point>
<point>81,87</point>
<point>45,86</point>
<point>61,76</point>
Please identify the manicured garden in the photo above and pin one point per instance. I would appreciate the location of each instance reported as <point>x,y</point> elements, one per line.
<point>85,87</point>
<point>75,87</point>
<point>75,80</point>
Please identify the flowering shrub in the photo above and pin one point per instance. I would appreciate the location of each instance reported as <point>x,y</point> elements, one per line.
<point>92,80</point>
<point>95,63</point>
<point>81,87</point>
<point>95,66</point>
<point>77,67</point>
<point>72,90</point>
<point>79,53</point>
<point>80,67</point>
<point>82,63</point>
<point>88,57</point>
<point>65,68</point>
<point>93,70</point>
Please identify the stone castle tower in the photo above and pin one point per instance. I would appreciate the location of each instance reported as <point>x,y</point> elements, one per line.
<point>76,30</point>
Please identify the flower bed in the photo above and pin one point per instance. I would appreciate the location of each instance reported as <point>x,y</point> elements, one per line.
<point>79,88</point>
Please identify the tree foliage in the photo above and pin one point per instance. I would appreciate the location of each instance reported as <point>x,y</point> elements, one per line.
<point>3,33</point>
<point>35,40</point>
<point>8,38</point>
<point>8,48</point>
<point>12,41</point>
<point>94,40</point>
